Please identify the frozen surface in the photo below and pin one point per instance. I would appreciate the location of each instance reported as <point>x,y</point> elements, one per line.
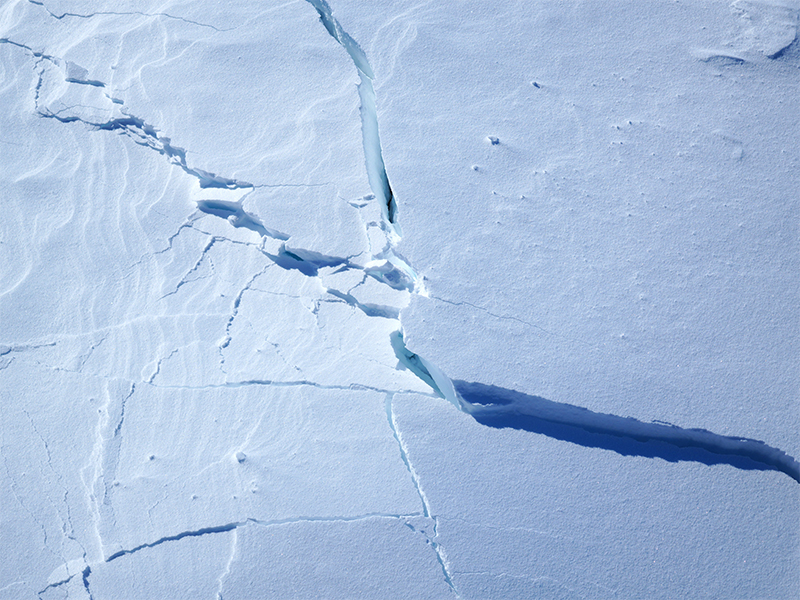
<point>399,299</point>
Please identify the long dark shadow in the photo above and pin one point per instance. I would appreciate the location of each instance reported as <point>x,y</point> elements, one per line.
<point>503,408</point>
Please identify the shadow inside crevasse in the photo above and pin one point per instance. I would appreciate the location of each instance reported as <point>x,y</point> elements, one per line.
<point>503,408</point>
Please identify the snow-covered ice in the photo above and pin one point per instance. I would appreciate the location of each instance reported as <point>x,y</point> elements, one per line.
<point>325,298</point>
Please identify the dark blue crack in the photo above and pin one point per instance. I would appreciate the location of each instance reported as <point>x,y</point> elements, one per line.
<point>504,408</point>
<point>92,82</point>
<point>387,272</point>
<point>79,75</point>
<point>29,49</point>
<point>176,537</point>
<point>85,575</point>
<point>307,262</point>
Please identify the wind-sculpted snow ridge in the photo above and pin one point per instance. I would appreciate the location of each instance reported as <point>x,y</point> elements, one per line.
<point>503,408</point>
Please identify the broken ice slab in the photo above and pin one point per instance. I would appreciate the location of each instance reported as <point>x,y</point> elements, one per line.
<point>236,216</point>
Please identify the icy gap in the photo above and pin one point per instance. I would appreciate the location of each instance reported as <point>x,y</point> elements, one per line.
<point>426,371</point>
<point>376,170</point>
<point>503,408</point>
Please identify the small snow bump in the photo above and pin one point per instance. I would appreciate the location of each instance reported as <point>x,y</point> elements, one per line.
<point>476,168</point>
<point>494,141</point>
<point>240,456</point>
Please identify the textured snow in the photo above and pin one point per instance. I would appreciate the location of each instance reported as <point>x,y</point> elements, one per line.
<point>399,299</point>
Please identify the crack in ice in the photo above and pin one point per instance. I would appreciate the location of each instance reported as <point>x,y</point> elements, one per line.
<point>504,408</point>
<point>256,522</point>
<point>441,556</point>
<point>146,135</point>
<point>123,13</point>
<point>387,266</point>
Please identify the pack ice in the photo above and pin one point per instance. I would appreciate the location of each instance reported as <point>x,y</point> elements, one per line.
<point>334,299</point>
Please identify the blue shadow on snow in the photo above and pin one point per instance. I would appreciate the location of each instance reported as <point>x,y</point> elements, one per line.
<point>503,408</point>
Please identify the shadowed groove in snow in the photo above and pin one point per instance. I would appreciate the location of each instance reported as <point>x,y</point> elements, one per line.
<point>503,408</point>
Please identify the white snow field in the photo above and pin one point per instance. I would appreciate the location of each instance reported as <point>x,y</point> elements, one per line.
<point>399,299</point>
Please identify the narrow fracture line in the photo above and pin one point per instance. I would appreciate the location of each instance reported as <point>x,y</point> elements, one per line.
<point>291,383</point>
<point>176,537</point>
<point>124,13</point>
<point>441,557</point>
<point>29,49</point>
<point>404,455</point>
<point>261,523</point>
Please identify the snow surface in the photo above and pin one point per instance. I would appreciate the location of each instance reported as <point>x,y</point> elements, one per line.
<point>399,299</point>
